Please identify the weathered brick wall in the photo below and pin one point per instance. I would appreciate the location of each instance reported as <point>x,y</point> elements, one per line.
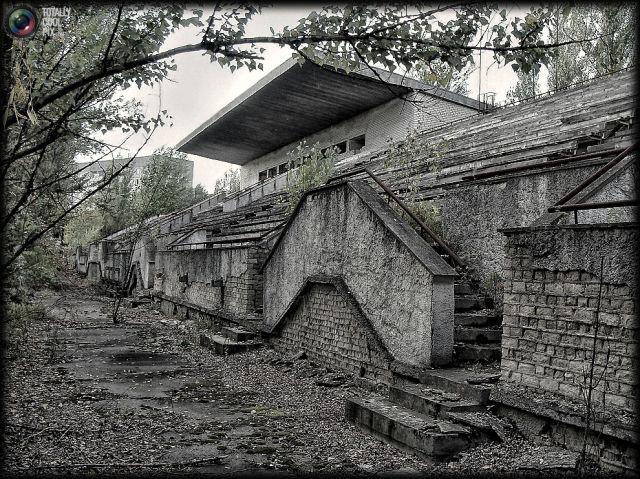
<point>325,326</point>
<point>430,112</point>
<point>237,268</point>
<point>552,284</point>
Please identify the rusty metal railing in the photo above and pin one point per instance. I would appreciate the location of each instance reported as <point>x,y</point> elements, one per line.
<point>561,205</point>
<point>593,177</point>
<point>595,205</point>
<point>423,227</point>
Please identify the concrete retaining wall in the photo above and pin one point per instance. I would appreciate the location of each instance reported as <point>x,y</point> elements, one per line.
<point>404,289</point>
<point>473,213</point>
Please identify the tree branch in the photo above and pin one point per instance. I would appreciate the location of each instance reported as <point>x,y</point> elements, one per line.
<point>31,239</point>
<point>292,42</point>
<point>105,60</point>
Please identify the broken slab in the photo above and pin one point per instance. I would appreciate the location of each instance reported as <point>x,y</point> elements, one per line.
<point>407,429</point>
<point>222,346</point>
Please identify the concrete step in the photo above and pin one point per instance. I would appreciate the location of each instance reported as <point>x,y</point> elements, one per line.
<point>474,318</point>
<point>237,334</point>
<point>485,426</point>
<point>468,303</point>
<point>223,346</point>
<point>476,352</point>
<point>406,429</point>
<point>431,401</point>
<point>457,380</point>
<point>470,334</point>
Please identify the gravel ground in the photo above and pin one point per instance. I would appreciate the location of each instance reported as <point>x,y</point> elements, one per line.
<point>76,403</point>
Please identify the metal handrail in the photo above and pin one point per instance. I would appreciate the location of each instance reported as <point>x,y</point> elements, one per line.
<point>595,205</point>
<point>439,241</point>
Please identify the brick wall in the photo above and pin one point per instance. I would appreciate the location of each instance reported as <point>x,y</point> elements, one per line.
<point>431,112</point>
<point>552,284</point>
<point>325,326</point>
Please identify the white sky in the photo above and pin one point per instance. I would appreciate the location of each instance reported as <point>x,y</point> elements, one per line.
<point>199,88</point>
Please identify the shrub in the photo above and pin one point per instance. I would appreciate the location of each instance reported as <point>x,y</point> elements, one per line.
<point>309,167</point>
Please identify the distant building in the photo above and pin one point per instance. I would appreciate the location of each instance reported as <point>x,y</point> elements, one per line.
<point>98,170</point>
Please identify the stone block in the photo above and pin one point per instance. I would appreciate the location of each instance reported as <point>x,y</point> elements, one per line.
<point>570,390</point>
<point>530,380</point>
<point>554,288</point>
<point>611,319</point>
<point>549,384</point>
<point>526,368</point>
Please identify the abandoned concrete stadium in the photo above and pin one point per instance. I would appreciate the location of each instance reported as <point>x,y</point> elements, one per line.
<point>534,275</point>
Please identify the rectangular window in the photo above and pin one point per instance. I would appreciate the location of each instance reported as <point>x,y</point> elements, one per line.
<point>356,144</point>
<point>341,147</point>
<point>262,175</point>
<point>272,172</point>
<point>283,168</point>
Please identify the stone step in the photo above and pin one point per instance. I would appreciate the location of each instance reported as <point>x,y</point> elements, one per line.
<point>237,334</point>
<point>468,303</point>
<point>476,352</point>
<point>457,380</point>
<point>406,429</point>
<point>223,346</point>
<point>431,401</point>
<point>135,302</point>
<point>475,319</point>
<point>467,334</point>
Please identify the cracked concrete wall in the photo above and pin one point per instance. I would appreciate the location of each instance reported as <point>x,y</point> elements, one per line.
<point>621,187</point>
<point>334,233</point>
<point>144,256</point>
<point>472,215</point>
<point>203,268</point>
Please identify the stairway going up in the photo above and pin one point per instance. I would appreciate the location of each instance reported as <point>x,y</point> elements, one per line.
<point>436,419</point>
<point>446,411</point>
<point>478,327</point>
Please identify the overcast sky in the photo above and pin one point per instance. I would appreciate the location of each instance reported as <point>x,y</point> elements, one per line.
<point>198,88</point>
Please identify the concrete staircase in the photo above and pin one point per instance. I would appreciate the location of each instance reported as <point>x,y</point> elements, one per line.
<point>436,419</point>
<point>478,331</point>
<point>231,340</point>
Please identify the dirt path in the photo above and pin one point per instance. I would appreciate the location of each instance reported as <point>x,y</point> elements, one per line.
<point>90,395</point>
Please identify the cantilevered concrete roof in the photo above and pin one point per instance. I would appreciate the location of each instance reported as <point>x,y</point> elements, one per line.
<point>294,101</point>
